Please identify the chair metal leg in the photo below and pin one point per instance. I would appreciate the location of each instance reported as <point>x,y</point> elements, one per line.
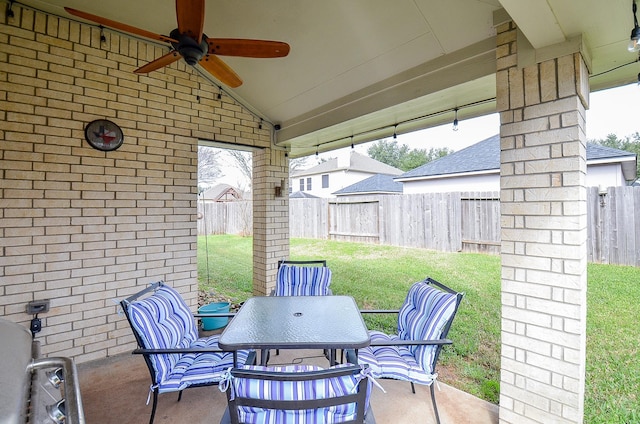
<point>155,404</point>
<point>413,388</point>
<point>433,400</point>
<point>179,395</point>
<point>264,356</point>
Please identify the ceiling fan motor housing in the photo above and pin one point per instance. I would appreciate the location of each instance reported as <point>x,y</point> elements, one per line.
<point>188,48</point>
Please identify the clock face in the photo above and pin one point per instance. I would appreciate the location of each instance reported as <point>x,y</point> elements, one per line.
<point>103,135</point>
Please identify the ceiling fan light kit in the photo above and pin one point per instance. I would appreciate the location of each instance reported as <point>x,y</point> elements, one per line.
<point>189,42</point>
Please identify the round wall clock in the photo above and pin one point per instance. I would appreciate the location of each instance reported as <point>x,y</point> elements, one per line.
<point>103,135</point>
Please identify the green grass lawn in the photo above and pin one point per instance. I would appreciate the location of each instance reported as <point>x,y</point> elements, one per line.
<point>378,277</point>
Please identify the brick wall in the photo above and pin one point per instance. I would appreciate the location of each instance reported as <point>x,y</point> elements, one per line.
<point>543,231</point>
<point>85,228</point>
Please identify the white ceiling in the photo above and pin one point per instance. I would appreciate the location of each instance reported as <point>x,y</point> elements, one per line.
<point>367,68</point>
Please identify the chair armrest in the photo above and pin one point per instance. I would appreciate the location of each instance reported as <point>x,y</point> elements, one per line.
<point>251,357</point>
<point>175,350</point>
<point>413,342</point>
<point>379,311</point>
<point>352,357</point>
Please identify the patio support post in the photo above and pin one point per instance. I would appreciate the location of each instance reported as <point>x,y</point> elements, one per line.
<point>270,217</point>
<point>544,234</point>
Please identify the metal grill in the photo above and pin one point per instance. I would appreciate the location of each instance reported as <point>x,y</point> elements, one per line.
<point>35,390</point>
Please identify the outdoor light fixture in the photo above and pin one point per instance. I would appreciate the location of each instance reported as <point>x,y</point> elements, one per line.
<point>455,120</point>
<point>9,11</point>
<point>634,42</point>
<point>279,188</point>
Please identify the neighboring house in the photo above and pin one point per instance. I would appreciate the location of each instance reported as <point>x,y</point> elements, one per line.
<point>477,168</point>
<point>376,184</point>
<point>221,193</point>
<point>337,173</point>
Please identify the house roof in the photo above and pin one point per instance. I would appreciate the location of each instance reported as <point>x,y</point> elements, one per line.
<point>221,192</point>
<point>376,184</point>
<point>302,195</point>
<point>357,162</point>
<point>484,157</point>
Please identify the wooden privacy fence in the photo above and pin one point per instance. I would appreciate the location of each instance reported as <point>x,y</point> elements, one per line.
<point>225,218</point>
<point>448,222</point>
<point>613,227</point>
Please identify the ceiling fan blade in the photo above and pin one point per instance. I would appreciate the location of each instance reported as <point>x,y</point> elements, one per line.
<point>119,26</point>
<point>216,67</point>
<point>190,16</point>
<point>247,48</point>
<point>165,60</point>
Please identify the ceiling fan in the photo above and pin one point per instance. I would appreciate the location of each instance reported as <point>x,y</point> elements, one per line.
<point>189,42</point>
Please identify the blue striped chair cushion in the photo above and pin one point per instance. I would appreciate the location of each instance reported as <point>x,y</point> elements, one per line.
<point>395,362</point>
<point>302,281</point>
<point>423,316</point>
<point>163,321</point>
<point>199,368</point>
<point>297,390</point>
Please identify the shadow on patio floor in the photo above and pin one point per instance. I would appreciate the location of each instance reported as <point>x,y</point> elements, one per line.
<point>114,391</point>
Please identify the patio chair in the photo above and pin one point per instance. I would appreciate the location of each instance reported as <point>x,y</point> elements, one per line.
<point>423,324</point>
<point>302,278</point>
<point>298,394</point>
<point>167,337</point>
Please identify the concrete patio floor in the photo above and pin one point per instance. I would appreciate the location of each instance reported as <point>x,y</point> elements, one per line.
<point>114,391</point>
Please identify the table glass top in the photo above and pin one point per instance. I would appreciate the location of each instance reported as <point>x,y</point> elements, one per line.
<point>296,322</point>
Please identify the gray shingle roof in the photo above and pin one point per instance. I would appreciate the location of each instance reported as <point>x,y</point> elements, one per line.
<point>378,183</point>
<point>596,151</point>
<point>302,195</point>
<point>482,156</point>
<point>485,156</point>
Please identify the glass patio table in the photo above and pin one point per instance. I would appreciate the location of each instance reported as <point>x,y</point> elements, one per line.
<point>296,322</point>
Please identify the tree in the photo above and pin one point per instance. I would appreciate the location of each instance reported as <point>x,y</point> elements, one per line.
<point>629,144</point>
<point>297,163</point>
<point>402,157</point>
<point>244,161</point>
<point>208,167</point>
<point>244,164</point>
